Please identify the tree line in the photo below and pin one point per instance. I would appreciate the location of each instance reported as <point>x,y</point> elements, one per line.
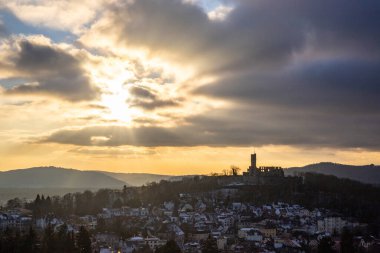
<point>48,241</point>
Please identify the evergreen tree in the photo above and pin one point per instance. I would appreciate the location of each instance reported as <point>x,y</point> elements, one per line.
<point>37,207</point>
<point>38,199</point>
<point>124,193</point>
<point>48,205</point>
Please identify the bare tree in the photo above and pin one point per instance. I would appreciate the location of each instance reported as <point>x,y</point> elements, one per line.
<point>234,170</point>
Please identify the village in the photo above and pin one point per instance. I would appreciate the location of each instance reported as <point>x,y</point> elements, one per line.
<point>235,227</point>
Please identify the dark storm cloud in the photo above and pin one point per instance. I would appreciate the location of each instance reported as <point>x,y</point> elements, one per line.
<point>237,127</point>
<point>263,125</point>
<point>349,86</point>
<point>50,71</point>
<point>148,99</point>
<point>118,135</point>
<point>255,33</point>
<point>153,104</point>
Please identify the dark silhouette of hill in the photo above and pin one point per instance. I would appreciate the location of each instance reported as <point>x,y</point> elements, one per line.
<point>369,174</point>
<point>139,179</point>
<point>53,177</point>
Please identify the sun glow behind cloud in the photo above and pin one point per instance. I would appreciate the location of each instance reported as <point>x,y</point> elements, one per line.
<point>111,76</point>
<point>116,75</point>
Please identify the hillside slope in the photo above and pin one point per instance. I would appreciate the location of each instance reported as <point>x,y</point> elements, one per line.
<point>139,179</point>
<point>53,177</point>
<point>369,174</point>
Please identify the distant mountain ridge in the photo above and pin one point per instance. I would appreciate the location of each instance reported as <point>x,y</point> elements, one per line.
<point>54,177</point>
<point>369,174</point>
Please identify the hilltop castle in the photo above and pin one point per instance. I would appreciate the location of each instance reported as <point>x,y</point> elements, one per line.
<point>265,171</point>
<point>256,175</point>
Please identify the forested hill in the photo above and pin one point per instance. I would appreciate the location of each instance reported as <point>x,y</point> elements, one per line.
<point>53,177</point>
<point>369,174</point>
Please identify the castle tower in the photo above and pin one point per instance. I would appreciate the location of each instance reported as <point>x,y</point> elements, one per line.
<point>253,161</point>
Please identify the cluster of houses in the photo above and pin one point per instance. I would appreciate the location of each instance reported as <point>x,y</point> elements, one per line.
<point>233,226</point>
<point>20,219</point>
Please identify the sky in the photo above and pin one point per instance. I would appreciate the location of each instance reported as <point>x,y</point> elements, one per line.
<point>188,86</point>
